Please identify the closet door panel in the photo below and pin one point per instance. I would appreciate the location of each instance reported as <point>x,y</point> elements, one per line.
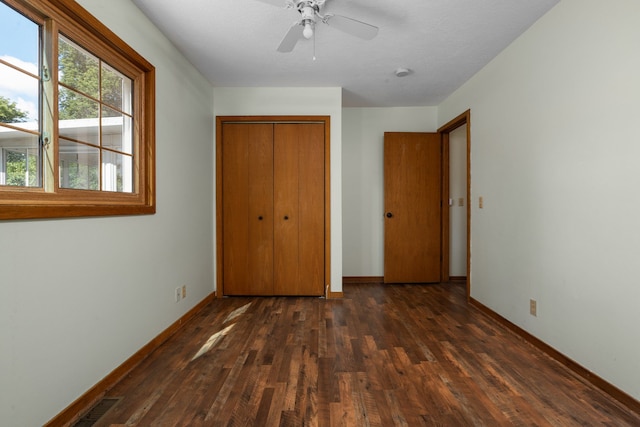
<point>235,152</point>
<point>311,209</point>
<point>247,151</point>
<point>286,212</point>
<point>299,207</point>
<point>261,209</point>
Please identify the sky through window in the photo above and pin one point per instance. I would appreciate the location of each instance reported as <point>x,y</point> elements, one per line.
<point>19,41</point>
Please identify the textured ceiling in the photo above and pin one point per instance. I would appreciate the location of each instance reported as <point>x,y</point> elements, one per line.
<point>443,42</point>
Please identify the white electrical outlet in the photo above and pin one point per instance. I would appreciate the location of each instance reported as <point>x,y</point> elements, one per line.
<point>178,294</point>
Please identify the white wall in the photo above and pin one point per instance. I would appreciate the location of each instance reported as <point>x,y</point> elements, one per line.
<point>79,296</point>
<point>458,192</point>
<point>555,149</point>
<point>305,102</point>
<point>362,180</point>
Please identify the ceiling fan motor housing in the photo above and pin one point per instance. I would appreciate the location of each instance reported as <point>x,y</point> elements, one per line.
<point>314,4</point>
<point>308,12</point>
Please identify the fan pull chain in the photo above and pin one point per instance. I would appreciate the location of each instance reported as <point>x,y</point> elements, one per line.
<point>314,45</point>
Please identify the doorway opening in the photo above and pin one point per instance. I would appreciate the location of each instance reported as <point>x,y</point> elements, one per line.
<point>445,131</point>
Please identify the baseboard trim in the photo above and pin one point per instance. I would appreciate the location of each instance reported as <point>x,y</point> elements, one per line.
<point>594,379</point>
<point>76,409</point>
<point>335,295</point>
<point>457,278</point>
<point>347,280</point>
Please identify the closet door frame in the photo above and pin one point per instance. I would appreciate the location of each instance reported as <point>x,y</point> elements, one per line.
<point>220,120</point>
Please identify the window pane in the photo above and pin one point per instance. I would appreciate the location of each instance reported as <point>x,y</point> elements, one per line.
<point>79,120</point>
<point>79,166</point>
<point>72,105</point>
<point>77,69</point>
<point>19,38</point>
<point>20,153</point>
<point>19,158</point>
<point>19,46</point>
<point>116,131</point>
<point>116,172</point>
<point>18,96</point>
<point>116,89</point>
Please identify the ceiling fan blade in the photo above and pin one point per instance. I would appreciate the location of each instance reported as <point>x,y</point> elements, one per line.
<point>351,26</point>
<point>279,3</point>
<point>291,38</point>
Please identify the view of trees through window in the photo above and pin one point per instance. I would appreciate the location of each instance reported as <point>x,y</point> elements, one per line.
<point>10,113</point>
<point>20,164</point>
<point>81,71</point>
<point>97,98</point>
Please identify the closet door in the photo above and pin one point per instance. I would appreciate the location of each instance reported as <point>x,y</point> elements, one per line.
<point>247,175</point>
<point>299,209</point>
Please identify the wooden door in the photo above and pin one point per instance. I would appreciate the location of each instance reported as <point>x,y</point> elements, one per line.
<point>299,209</point>
<point>412,199</point>
<point>247,208</point>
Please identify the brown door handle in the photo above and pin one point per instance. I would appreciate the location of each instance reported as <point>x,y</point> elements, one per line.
<point>389,215</point>
<point>286,217</point>
<point>260,218</point>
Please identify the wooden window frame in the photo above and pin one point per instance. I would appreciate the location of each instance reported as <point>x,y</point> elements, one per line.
<point>51,201</point>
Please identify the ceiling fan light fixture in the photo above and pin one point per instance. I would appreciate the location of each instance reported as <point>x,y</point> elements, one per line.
<point>402,72</point>
<point>308,30</point>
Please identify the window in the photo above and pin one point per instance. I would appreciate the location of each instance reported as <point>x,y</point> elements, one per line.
<point>76,115</point>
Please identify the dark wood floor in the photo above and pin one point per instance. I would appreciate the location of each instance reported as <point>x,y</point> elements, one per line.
<point>414,355</point>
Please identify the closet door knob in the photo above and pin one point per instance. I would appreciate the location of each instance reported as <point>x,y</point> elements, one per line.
<point>286,217</point>
<point>389,215</point>
<point>260,218</point>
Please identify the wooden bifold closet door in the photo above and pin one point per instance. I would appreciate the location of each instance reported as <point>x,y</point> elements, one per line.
<point>273,208</point>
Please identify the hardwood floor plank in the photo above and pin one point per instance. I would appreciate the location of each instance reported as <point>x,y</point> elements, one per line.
<point>265,405</point>
<point>327,394</point>
<point>293,374</point>
<point>402,355</point>
<point>369,408</point>
<point>275,412</point>
<point>343,412</point>
<point>249,392</point>
<point>397,415</point>
<point>224,402</point>
<point>308,404</point>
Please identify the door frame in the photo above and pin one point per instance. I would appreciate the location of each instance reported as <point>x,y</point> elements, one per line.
<point>326,121</point>
<point>444,131</point>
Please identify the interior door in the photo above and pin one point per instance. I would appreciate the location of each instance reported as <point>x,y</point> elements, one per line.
<point>412,199</point>
<point>247,211</point>
<point>299,209</point>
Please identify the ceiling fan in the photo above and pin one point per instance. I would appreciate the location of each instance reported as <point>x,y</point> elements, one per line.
<point>310,12</point>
